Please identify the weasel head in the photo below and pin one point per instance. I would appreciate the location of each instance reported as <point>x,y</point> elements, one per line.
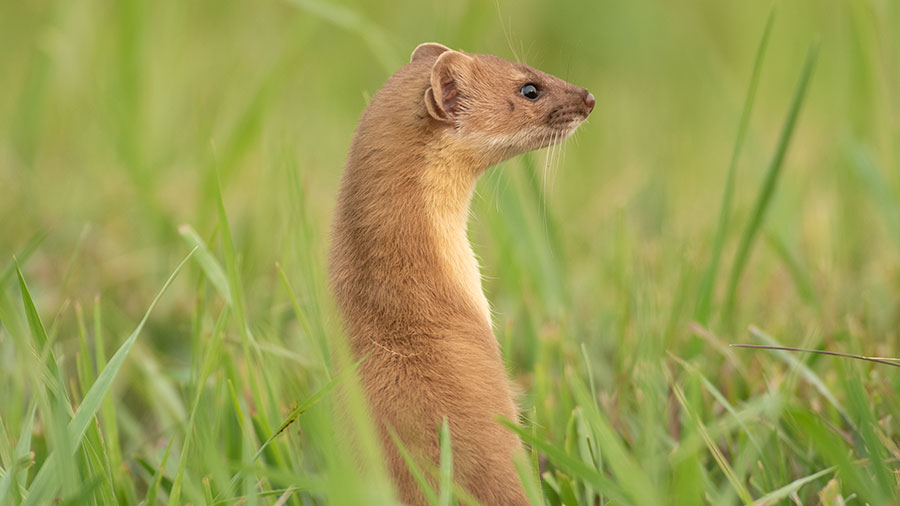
<point>497,108</point>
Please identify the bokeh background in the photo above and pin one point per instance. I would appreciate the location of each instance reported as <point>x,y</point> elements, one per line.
<point>120,121</point>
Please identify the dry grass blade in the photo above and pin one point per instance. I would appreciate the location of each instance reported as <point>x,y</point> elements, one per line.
<point>879,360</point>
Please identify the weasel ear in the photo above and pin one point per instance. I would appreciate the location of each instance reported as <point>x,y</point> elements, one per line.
<point>428,50</point>
<point>443,99</point>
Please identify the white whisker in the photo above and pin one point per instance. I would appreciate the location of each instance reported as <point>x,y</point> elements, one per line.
<point>549,157</point>
<point>555,164</point>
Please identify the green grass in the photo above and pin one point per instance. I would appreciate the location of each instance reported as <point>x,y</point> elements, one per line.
<point>168,172</point>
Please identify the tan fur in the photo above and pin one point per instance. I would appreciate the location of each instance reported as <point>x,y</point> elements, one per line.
<point>405,278</point>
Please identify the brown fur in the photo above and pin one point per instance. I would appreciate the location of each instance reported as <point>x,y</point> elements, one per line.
<point>405,278</point>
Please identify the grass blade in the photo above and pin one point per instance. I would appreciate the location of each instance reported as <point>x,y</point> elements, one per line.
<point>708,282</point>
<point>95,395</point>
<point>44,486</point>
<point>802,281</point>
<point>566,493</point>
<point>769,183</point>
<point>207,261</point>
<point>414,470</point>
<point>30,247</point>
<point>60,408</point>
<point>153,490</point>
<point>717,395</point>
<point>206,367</point>
<point>308,403</point>
<point>871,433</point>
<point>526,474</point>
<point>231,268</point>
<point>303,318</point>
<point>573,466</point>
<point>445,497</point>
<point>14,477</point>
<point>39,335</point>
<point>806,372</point>
<point>373,35</point>
<point>720,459</point>
<point>622,464</point>
<point>779,494</point>
<point>878,360</point>
<point>834,449</point>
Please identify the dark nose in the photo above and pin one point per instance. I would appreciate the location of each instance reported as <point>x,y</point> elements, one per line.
<point>589,101</point>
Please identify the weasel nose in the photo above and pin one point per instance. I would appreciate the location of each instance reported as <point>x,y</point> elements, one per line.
<point>589,101</point>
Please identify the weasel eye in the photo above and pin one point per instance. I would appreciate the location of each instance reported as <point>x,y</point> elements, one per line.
<point>530,92</point>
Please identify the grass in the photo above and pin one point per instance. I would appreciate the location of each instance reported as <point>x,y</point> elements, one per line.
<point>169,170</point>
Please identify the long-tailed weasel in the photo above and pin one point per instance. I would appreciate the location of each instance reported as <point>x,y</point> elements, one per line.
<point>405,278</point>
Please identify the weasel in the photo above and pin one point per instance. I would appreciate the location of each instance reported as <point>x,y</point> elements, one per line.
<point>404,275</point>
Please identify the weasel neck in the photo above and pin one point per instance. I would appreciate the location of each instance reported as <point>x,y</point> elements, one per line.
<point>450,190</point>
<point>401,248</point>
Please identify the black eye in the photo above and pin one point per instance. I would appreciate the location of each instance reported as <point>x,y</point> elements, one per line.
<point>530,92</point>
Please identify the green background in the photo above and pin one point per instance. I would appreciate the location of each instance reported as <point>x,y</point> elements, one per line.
<point>120,121</point>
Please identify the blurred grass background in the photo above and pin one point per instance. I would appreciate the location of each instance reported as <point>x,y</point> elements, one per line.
<point>120,121</point>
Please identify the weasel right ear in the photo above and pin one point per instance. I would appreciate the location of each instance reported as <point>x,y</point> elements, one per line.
<point>428,50</point>
<point>443,99</point>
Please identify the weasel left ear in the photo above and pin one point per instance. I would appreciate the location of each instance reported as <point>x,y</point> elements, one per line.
<point>428,50</point>
<point>443,99</point>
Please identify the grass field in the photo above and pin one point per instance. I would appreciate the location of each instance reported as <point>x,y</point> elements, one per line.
<point>738,182</point>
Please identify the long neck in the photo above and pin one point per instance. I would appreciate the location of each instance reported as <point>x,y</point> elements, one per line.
<point>448,189</point>
<point>401,260</point>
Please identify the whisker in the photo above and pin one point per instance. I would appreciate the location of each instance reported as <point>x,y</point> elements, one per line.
<point>558,152</point>
<point>506,33</point>
<point>562,156</point>
<point>549,173</point>
<point>546,161</point>
<point>553,147</point>
<point>544,137</point>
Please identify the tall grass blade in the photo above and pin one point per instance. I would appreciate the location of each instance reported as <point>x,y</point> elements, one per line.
<point>23,255</point>
<point>414,470</point>
<point>529,480</point>
<point>775,496</point>
<point>84,493</point>
<point>207,261</point>
<point>232,273</point>
<point>566,492</point>
<point>870,430</point>
<point>92,399</point>
<point>806,372</point>
<point>717,395</point>
<point>575,466</point>
<point>708,282</point>
<point>801,279</point>
<point>374,36</point>
<point>304,407</point>
<point>834,449</point>
<point>41,341</point>
<point>45,485</point>
<point>303,318</point>
<point>769,183</point>
<point>877,186</point>
<point>15,478</point>
<point>153,490</point>
<point>212,351</point>
<point>58,409</point>
<point>720,459</point>
<point>445,497</point>
<point>634,479</point>
<point>878,360</point>
<point>239,307</point>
